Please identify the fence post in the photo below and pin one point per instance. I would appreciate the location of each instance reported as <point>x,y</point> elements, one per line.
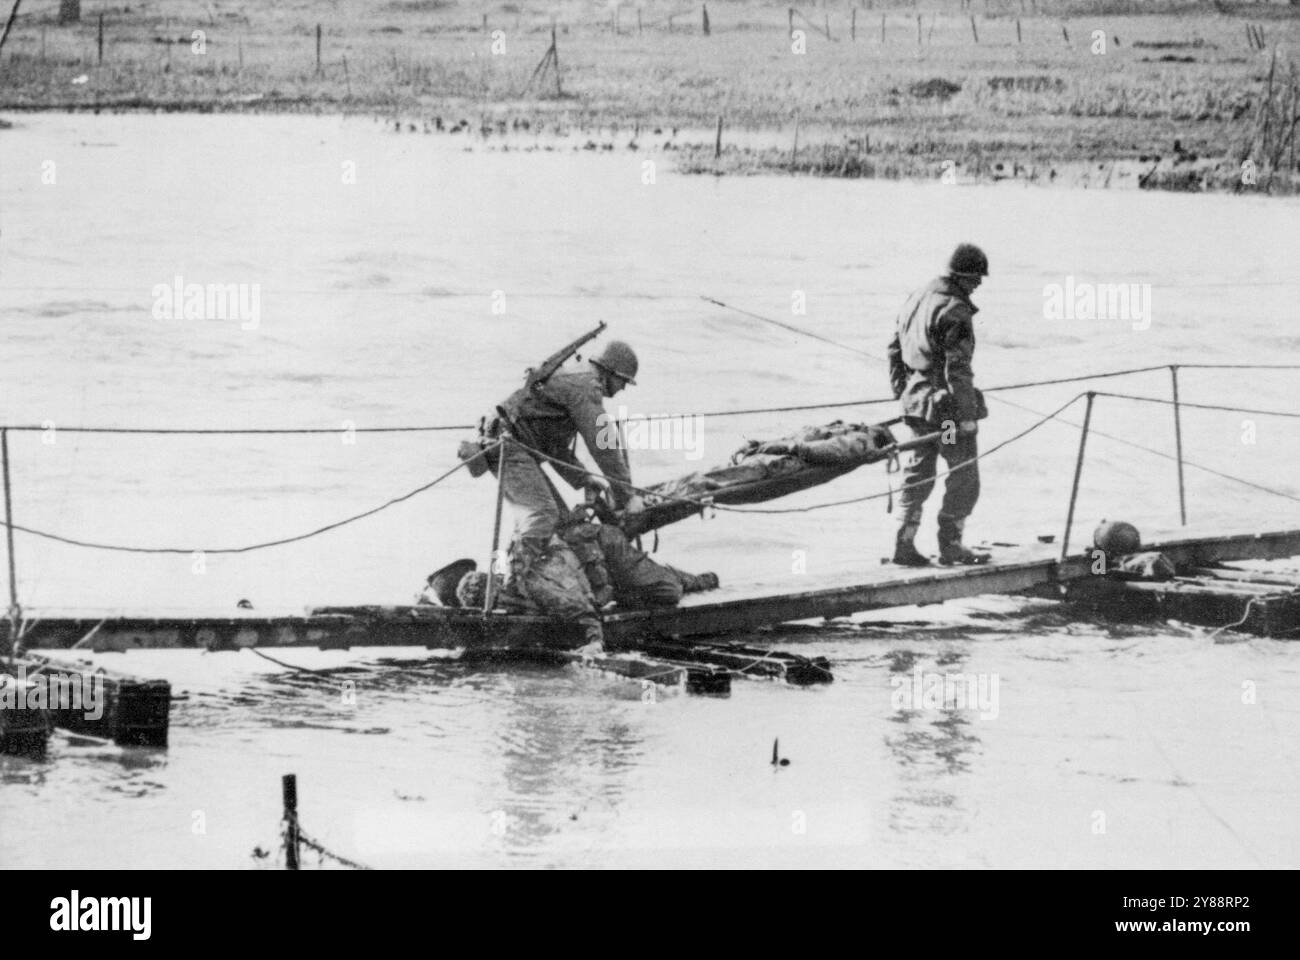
<point>318,48</point>
<point>705,9</point>
<point>555,62</point>
<point>101,39</point>
<point>289,791</point>
<point>1078,469</point>
<point>1018,40</point>
<point>717,145</point>
<point>918,29</point>
<point>1178,444</point>
<point>975,33</point>
<point>9,24</point>
<point>790,17</point>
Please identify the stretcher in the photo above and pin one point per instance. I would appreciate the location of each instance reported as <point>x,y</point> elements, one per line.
<point>766,470</point>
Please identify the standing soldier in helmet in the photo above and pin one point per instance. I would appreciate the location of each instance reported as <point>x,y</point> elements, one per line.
<point>549,419</point>
<point>930,372</point>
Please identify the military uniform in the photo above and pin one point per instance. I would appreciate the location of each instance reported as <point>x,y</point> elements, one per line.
<point>545,573</point>
<point>550,420</point>
<point>617,570</point>
<point>930,372</point>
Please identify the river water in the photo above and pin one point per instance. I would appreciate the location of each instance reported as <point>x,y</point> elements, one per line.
<point>404,279</point>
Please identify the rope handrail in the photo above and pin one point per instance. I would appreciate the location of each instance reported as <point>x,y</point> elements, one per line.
<point>230,431</point>
<point>749,411</point>
<point>1165,456</point>
<point>697,503</point>
<point>1201,406</point>
<point>247,548</point>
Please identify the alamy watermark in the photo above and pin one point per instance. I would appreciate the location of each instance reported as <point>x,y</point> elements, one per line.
<point>50,690</point>
<point>946,691</point>
<point>1075,300</point>
<point>651,432</point>
<point>179,300</point>
<point>76,913</point>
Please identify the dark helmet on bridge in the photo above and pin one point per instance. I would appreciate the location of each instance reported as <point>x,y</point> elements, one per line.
<point>443,582</point>
<point>618,359</point>
<point>968,260</point>
<point>1116,538</point>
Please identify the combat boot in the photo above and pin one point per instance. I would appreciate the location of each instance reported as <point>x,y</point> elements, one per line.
<point>522,554</point>
<point>696,583</point>
<point>905,552</point>
<point>951,550</point>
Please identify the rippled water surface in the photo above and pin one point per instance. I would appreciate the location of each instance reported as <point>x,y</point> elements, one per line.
<point>1111,745</point>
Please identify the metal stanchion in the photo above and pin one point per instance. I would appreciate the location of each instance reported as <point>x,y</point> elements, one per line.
<point>15,611</point>
<point>1078,470</point>
<point>490,592</point>
<point>1178,442</point>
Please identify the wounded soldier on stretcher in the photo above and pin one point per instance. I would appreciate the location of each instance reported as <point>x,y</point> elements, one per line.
<point>764,470</point>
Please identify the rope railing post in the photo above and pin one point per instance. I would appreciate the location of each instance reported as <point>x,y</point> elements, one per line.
<point>490,592</point>
<point>289,790</point>
<point>1178,445</point>
<point>15,611</point>
<point>1078,470</point>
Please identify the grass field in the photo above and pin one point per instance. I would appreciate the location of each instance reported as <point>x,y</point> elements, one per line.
<point>1007,88</point>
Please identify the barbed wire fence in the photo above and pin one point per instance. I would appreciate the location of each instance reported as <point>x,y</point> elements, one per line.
<point>294,838</point>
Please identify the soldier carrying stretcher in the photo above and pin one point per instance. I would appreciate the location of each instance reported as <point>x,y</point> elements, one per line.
<point>541,422</point>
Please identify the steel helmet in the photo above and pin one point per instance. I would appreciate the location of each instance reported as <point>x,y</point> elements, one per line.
<point>618,359</point>
<point>1116,538</point>
<point>443,582</point>
<point>968,260</point>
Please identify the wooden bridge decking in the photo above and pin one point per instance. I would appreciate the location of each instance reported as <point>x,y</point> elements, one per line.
<point>738,608</point>
<point>1035,569</point>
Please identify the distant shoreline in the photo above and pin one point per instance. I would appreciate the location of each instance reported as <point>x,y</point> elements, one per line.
<point>1189,97</point>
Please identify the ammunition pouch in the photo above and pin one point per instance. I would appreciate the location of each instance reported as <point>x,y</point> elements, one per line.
<point>477,456</point>
<point>583,540</point>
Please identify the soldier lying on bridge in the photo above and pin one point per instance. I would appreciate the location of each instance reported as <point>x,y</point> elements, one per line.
<point>620,572</point>
<point>608,569</point>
